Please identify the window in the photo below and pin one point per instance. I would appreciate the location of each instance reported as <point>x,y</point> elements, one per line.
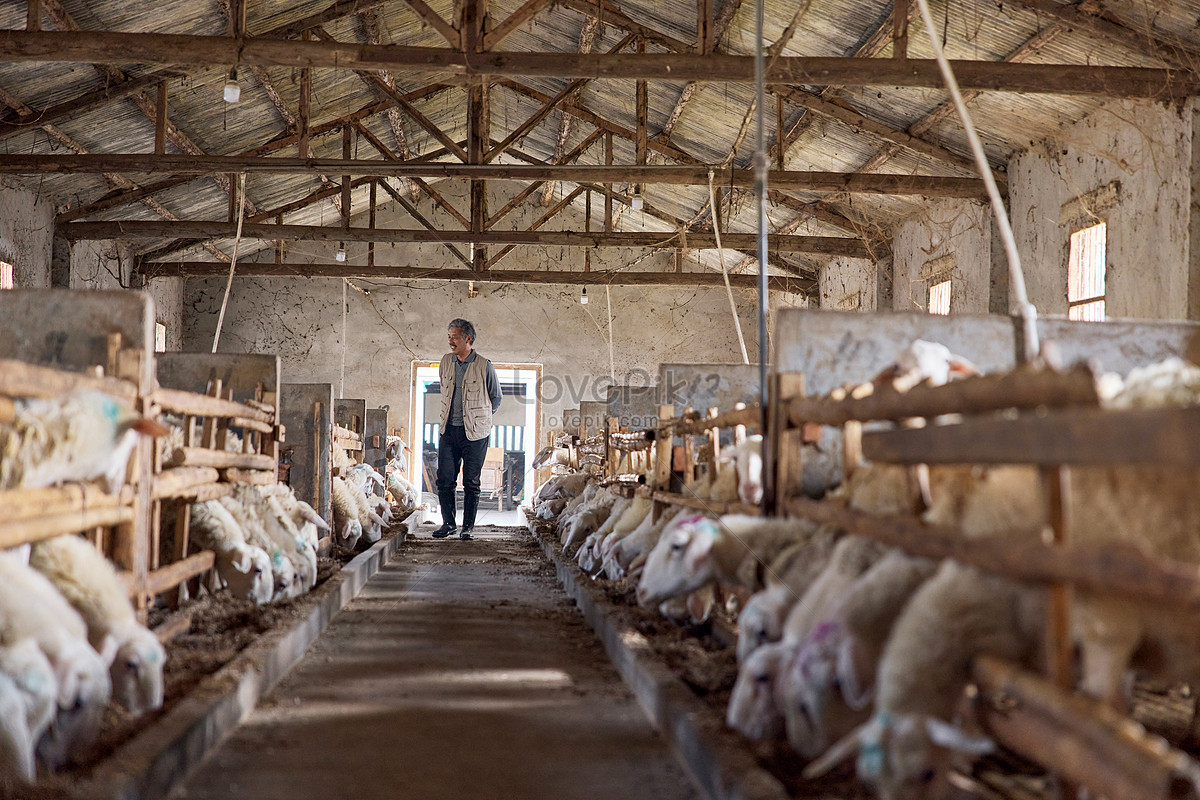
<point>6,275</point>
<point>1085,273</point>
<point>160,338</point>
<point>939,297</point>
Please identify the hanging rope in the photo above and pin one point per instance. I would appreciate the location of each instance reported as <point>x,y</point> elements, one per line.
<point>237,240</point>
<point>1024,308</point>
<point>737,323</point>
<point>342,380</point>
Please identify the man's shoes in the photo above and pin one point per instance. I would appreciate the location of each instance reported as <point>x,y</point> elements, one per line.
<point>447,529</point>
<point>466,535</point>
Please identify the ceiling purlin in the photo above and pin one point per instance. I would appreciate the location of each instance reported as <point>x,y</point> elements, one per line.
<point>1107,26</point>
<point>110,74</point>
<point>719,26</point>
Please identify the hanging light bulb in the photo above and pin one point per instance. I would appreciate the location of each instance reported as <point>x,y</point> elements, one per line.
<point>583,297</point>
<point>233,91</point>
<point>341,251</point>
<point>636,203</point>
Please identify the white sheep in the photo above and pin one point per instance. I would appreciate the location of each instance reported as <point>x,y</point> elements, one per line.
<point>263,511</point>
<point>347,527</point>
<point>753,708</point>
<point>628,554</point>
<point>28,700</point>
<point>90,583</point>
<point>244,567</point>
<point>32,608</point>
<point>695,550</point>
<point>590,554</point>
<point>956,615</point>
<point>307,521</point>
<point>79,436</point>
<point>843,651</point>
<point>286,585</point>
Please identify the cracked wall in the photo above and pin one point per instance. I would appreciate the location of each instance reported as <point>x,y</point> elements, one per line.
<point>26,234</point>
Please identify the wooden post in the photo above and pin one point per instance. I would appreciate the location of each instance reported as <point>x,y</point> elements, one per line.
<point>689,456</point>
<point>612,458</point>
<point>346,178</point>
<point>305,101</point>
<point>851,448</point>
<point>371,225</point>
<point>160,120</point>
<point>279,242</point>
<point>641,142</point>
<point>900,30</point>
<point>663,444</point>
<point>1059,666</point>
<point>780,135</point>
<point>704,24</point>
<point>33,16</point>
<point>739,431</point>
<point>714,444</point>
<point>783,452</point>
<point>608,160</point>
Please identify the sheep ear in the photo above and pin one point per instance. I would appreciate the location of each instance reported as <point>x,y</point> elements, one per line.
<point>242,561</point>
<point>962,367</point>
<point>857,693</point>
<point>149,427</point>
<point>952,737</point>
<point>839,752</point>
<point>108,649</point>
<point>68,682</point>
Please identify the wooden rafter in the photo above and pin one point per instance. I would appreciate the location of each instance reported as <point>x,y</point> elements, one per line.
<point>371,28</point>
<point>587,40</point>
<point>1170,49</point>
<point>474,31</point>
<point>602,9</point>
<point>120,198</point>
<point>591,278</point>
<point>104,47</point>
<point>435,21</point>
<point>526,12</point>
<point>80,231</point>
<point>110,74</point>
<point>521,196</point>
<point>422,220</point>
<point>719,25</point>
<point>539,222</point>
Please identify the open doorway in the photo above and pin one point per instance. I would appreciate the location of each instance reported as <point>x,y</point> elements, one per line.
<point>512,445</point>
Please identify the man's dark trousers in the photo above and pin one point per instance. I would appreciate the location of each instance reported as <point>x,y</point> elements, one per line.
<point>455,450</point>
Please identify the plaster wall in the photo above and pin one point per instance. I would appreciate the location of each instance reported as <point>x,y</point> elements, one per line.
<point>26,235</point>
<point>1147,148</point>
<point>848,284</point>
<point>954,238</point>
<point>108,265</point>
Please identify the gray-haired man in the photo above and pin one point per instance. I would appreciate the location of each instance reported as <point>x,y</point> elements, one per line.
<point>470,395</point>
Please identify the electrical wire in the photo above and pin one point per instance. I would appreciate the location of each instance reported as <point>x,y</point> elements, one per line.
<point>737,323</point>
<point>612,370</point>
<point>342,380</point>
<point>237,240</point>
<point>1024,309</point>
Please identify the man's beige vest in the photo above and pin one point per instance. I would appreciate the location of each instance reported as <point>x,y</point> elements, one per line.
<point>477,405</point>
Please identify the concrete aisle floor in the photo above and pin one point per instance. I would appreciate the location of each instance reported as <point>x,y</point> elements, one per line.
<point>460,671</point>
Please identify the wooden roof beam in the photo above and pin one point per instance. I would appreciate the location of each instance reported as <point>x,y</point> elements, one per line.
<point>423,221</point>
<point>80,231</point>
<point>434,20</point>
<point>156,48</point>
<point>719,26</point>
<point>526,12</point>
<point>539,222</point>
<point>568,158</point>
<point>202,269</point>
<point>930,185</point>
<point>1170,49</point>
<point>371,28</point>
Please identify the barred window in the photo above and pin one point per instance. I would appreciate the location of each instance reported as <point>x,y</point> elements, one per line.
<point>1085,273</point>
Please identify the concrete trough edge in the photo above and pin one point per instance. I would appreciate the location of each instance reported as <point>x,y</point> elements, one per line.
<point>156,761</point>
<point>723,773</point>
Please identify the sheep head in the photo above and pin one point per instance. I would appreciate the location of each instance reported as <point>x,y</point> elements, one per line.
<point>137,670</point>
<point>680,562</point>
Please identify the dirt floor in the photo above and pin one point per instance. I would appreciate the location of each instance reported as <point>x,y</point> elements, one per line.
<point>461,670</point>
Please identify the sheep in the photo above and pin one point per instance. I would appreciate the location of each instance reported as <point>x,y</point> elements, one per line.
<point>589,556</point>
<point>79,436</point>
<point>695,550</point>
<point>261,512</point>
<point>347,526</point>
<point>629,553</point>
<point>244,568</point>
<point>283,571</point>
<point>402,491</point>
<point>749,469</point>
<point>752,709</point>
<point>761,619</point>
<point>843,650</point>
<point>90,583</point>
<point>307,521</point>
<point>567,485</point>
<point>956,615</point>
<point>28,700</point>
<point>32,608</point>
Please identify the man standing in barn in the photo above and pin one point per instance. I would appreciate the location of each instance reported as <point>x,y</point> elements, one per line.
<point>470,395</point>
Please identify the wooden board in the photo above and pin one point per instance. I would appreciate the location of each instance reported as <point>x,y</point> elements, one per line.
<point>636,407</point>
<point>593,414</point>
<point>351,414</point>
<point>244,374</point>
<point>306,409</point>
<point>69,329</point>
<point>1158,436</point>
<point>375,439</point>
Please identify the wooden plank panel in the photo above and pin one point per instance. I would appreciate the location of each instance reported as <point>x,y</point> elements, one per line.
<point>306,409</point>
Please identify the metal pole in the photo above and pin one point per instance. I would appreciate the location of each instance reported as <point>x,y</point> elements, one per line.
<point>760,191</point>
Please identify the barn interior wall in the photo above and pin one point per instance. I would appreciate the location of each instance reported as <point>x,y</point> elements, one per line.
<point>956,236</point>
<point>849,284</point>
<point>109,265</point>
<point>1147,148</point>
<point>26,234</point>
